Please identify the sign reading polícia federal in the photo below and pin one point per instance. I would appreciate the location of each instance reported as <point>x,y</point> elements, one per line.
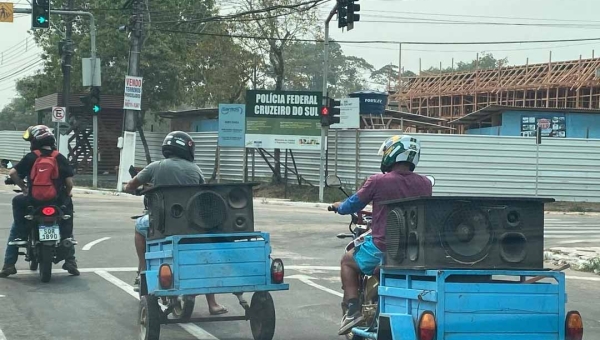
<point>283,119</point>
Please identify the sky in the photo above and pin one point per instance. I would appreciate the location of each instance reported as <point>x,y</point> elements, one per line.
<point>404,21</point>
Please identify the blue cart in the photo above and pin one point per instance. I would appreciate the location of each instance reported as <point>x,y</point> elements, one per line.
<point>181,267</point>
<point>472,304</point>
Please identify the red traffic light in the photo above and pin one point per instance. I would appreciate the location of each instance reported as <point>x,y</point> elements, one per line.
<point>324,111</point>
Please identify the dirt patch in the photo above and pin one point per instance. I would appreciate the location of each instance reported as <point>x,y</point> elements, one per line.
<point>573,207</point>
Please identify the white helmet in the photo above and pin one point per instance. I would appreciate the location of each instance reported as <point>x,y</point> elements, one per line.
<point>399,149</point>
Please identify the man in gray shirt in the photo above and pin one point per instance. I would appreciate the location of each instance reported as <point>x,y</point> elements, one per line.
<point>178,168</point>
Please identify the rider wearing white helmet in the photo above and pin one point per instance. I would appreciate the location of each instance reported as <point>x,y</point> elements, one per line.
<point>399,157</point>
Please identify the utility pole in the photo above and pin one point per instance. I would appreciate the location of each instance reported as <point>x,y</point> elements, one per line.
<point>324,129</point>
<point>67,53</point>
<point>127,142</point>
<point>134,57</point>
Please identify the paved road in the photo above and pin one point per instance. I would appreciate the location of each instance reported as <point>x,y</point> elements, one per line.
<point>100,304</point>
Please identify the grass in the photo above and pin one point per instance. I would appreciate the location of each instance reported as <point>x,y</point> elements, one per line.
<point>592,266</point>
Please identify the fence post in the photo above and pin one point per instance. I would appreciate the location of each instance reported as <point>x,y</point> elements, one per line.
<point>335,161</point>
<point>357,161</point>
<point>218,164</point>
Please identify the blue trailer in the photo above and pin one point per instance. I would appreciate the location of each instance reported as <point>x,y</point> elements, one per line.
<point>461,304</point>
<point>181,267</point>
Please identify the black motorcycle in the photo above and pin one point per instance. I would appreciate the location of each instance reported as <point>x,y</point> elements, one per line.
<point>43,245</point>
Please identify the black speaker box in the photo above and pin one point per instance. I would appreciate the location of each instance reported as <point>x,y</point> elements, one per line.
<point>200,209</point>
<point>465,233</point>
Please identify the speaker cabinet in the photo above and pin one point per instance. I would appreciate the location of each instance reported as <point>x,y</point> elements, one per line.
<point>200,209</point>
<point>465,232</point>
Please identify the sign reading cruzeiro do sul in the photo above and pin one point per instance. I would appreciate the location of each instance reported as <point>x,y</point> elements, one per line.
<point>133,93</point>
<point>283,119</point>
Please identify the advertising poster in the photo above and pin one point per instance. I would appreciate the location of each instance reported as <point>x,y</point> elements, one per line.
<point>232,125</point>
<point>552,126</point>
<point>283,119</point>
<point>133,93</point>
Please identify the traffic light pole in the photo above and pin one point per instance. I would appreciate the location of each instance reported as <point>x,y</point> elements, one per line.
<point>324,129</point>
<point>93,70</point>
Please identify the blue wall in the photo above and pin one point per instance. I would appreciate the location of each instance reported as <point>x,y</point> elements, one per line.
<point>205,125</point>
<point>577,124</point>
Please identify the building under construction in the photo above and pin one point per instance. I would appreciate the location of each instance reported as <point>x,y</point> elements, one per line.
<point>568,84</point>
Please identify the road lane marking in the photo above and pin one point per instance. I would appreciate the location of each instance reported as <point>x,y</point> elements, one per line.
<point>589,240</point>
<point>2,336</point>
<point>307,280</point>
<point>191,328</point>
<point>93,243</point>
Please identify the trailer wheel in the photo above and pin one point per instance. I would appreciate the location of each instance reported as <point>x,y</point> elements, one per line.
<point>262,316</point>
<point>149,318</point>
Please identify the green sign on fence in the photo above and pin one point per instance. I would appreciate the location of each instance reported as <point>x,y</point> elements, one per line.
<point>283,119</point>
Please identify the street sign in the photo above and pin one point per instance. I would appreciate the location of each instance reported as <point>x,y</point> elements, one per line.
<point>6,12</point>
<point>59,114</point>
<point>349,114</point>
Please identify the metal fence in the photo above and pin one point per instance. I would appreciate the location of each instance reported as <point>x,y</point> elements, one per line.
<point>567,169</point>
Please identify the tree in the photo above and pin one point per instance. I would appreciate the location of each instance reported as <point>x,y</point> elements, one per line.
<point>275,29</point>
<point>486,61</point>
<point>305,65</point>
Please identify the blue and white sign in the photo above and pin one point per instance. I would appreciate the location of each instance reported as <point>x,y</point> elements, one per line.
<point>232,125</point>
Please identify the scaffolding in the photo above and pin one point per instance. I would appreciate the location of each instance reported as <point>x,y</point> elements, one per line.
<point>566,84</point>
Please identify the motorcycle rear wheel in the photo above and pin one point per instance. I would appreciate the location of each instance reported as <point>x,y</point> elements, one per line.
<point>46,263</point>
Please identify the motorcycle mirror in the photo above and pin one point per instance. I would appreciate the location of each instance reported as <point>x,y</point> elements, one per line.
<point>333,181</point>
<point>432,179</point>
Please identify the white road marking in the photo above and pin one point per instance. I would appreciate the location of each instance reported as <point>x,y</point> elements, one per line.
<point>93,243</point>
<point>312,267</point>
<point>594,240</point>
<point>2,336</point>
<point>81,270</point>
<point>583,278</point>
<point>191,328</point>
<point>307,280</point>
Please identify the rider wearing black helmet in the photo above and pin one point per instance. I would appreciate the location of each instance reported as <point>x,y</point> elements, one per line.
<point>178,168</point>
<point>42,144</point>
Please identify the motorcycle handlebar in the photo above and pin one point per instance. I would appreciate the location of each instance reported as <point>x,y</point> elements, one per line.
<point>331,208</point>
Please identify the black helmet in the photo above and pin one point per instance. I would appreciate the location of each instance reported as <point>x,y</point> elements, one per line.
<point>39,136</point>
<point>180,144</point>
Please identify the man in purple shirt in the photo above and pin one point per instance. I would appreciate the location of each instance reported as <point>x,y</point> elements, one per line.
<point>400,155</point>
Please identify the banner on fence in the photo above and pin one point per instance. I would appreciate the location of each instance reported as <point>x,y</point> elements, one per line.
<point>283,119</point>
<point>232,125</point>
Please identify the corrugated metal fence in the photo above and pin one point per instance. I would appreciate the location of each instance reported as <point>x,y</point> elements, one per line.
<point>569,169</point>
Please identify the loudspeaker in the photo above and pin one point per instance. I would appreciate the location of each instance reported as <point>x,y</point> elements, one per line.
<point>465,233</point>
<point>200,209</point>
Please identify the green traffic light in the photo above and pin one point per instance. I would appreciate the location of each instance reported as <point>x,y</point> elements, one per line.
<point>96,108</point>
<point>41,20</point>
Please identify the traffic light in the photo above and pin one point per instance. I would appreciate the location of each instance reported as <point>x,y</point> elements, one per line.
<point>342,12</point>
<point>91,101</point>
<point>95,99</point>
<point>352,13</point>
<point>40,14</point>
<point>330,114</point>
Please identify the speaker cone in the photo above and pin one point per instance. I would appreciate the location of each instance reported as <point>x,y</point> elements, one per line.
<point>395,237</point>
<point>513,247</point>
<point>467,235</point>
<point>206,210</point>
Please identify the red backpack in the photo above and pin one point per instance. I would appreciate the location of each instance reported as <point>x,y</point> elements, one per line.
<point>43,177</point>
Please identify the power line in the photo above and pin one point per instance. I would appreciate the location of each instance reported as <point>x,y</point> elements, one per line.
<point>240,36</point>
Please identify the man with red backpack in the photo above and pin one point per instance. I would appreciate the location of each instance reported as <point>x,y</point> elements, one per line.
<point>49,179</point>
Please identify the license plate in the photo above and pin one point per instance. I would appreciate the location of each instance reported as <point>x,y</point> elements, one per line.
<point>49,233</point>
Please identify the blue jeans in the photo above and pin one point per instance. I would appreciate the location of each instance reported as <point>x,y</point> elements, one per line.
<point>12,252</point>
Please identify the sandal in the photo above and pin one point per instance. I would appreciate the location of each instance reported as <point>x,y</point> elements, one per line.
<point>218,311</point>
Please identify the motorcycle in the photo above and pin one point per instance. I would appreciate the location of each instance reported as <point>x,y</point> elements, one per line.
<point>43,246</point>
<point>360,227</point>
<point>180,307</point>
